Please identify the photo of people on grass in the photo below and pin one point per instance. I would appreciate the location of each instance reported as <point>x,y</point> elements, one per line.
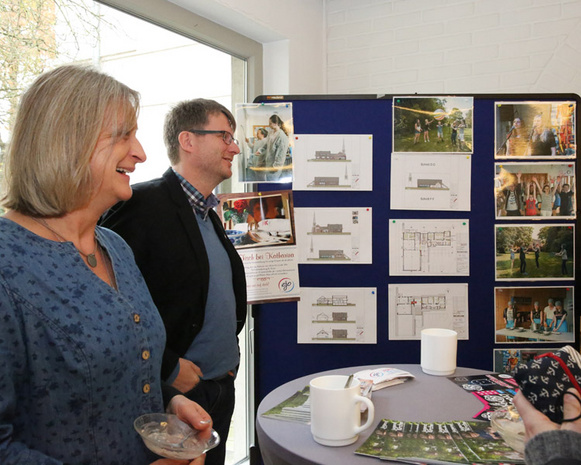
<point>535,252</point>
<point>535,190</point>
<point>433,124</point>
<point>535,129</point>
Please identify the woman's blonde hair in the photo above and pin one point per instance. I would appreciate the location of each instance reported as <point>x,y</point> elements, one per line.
<point>57,126</point>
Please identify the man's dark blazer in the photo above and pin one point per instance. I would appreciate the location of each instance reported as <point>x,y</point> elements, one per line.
<point>160,226</point>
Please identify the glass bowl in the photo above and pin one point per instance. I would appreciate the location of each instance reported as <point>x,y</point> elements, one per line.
<point>168,436</point>
<point>509,425</point>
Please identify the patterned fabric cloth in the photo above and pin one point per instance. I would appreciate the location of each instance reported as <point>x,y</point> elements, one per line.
<point>544,380</point>
<point>79,361</point>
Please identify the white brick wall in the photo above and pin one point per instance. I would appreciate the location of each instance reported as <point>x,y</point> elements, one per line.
<point>453,46</point>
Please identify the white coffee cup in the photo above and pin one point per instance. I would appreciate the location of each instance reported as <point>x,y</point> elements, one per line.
<point>336,411</point>
<point>438,351</point>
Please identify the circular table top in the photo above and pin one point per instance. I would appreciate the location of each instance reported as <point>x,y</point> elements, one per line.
<point>424,398</point>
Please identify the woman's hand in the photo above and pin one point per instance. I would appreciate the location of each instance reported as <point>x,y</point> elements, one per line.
<point>536,422</point>
<point>191,413</point>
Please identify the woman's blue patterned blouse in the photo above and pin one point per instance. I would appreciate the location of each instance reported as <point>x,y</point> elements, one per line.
<point>79,360</point>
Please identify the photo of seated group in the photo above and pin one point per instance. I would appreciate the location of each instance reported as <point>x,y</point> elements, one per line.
<point>535,190</point>
<point>535,129</point>
<point>535,252</point>
<point>534,314</point>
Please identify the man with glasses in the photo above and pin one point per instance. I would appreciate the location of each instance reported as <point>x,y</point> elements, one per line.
<point>194,274</point>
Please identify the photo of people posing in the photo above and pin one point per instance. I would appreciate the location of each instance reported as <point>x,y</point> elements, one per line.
<point>506,360</point>
<point>265,134</point>
<point>535,252</point>
<point>534,314</point>
<point>255,219</point>
<point>535,190</point>
<point>535,129</point>
<point>433,124</point>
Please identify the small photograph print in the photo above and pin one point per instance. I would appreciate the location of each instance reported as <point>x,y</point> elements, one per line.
<point>265,134</point>
<point>433,124</point>
<point>534,252</point>
<point>525,191</point>
<point>534,314</point>
<point>256,219</point>
<point>506,360</point>
<point>333,162</point>
<point>535,129</point>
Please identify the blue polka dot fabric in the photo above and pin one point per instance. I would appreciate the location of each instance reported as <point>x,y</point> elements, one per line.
<point>79,360</point>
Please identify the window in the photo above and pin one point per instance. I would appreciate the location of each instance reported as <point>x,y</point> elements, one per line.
<point>166,65</point>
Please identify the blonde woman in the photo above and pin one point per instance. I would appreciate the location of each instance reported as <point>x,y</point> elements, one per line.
<point>81,340</point>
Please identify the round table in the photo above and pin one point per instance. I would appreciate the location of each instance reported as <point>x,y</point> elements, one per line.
<point>424,398</point>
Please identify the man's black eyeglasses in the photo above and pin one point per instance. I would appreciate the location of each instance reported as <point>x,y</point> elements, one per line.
<point>226,136</point>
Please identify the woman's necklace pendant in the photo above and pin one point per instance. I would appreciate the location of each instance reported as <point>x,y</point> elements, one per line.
<point>92,260</point>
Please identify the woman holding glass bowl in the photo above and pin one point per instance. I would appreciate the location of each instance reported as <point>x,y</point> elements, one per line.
<point>81,340</point>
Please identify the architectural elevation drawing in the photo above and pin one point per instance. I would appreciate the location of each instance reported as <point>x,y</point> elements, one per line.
<point>337,316</point>
<point>333,162</point>
<point>333,235</point>
<point>428,248</point>
<point>430,182</point>
<point>413,307</point>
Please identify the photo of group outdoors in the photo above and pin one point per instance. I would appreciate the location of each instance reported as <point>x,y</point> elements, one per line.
<point>535,129</point>
<point>433,124</point>
<point>506,360</point>
<point>534,314</point>
<point>535,252</point>
<point>535,190</point>
<point>255,219</point>
<point>265,134</point>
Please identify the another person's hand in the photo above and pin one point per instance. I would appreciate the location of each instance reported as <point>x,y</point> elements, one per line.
<point>191,413</point>
<point>536,422</point>
<point>188,377</point>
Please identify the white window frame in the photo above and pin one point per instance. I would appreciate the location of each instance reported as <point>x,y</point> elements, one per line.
<point>176,19</point>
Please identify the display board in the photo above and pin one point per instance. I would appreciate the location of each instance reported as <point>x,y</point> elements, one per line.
<point>482,272</point>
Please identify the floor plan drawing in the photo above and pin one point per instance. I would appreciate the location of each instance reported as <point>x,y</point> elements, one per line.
<point>337,315</point>
<point>413,307</point>
<point>428,247</point>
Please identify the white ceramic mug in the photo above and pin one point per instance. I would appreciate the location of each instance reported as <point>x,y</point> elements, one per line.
<point>335,410</point>
<point>438,351</point>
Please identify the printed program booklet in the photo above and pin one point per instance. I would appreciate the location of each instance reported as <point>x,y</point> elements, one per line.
<point>450,442</point>
<point>296,408</point>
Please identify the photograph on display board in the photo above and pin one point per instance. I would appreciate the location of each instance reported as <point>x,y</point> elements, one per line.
<point>265,135</point>
<point>333,162</point>
<point>535,129</point>
<point>535,190</point>
<point>535,251</point>
<point>430,181</point>
<point>506,360</point>
<point>258,219</point>
<point>534,314</point>
<point>433,124</point>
